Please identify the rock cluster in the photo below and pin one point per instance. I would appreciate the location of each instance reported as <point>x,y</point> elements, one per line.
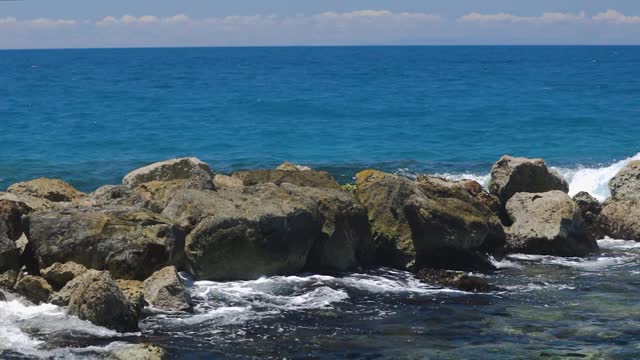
<point>109,254</point>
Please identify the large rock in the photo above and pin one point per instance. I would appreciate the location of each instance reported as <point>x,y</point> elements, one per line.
<point>346,240</point>
<point>53,190</point>
<point>511,175</point>
<point>620,219</point>
<point>164,290</point>
<point>131,243</point>
<point>8,279</point>
<point>310,178</point>
<point>134,293</point>
<point>59,274</point>
<point>11,213</point>
<point>95,296</point>
<point>196,171</point>
<point>428,223</point>
<point>589,206</point>
<point>115,195</point>
<point>33,288</point>
<point>625,185</point>
<point>547,223</point>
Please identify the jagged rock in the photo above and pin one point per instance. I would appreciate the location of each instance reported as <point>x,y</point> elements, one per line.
<point>137,352</point>
<point>33,288</point>
<point>59,274</point>
<point>455,279</point>
<point>224,181</point>
<point>53,190</point>
<point>130,243</point>
<point>11,213</point>
<point>625,185</point>
<point>547,223</point>
<point>95,297</point>
<point>431,222</point>
<point>589,206</point>
<point>196,171</point>
<point>8,279</point>
<point>620,219</point>
<point>287,166</point>
<point>257,231</point>
<point>133,291</point>
<point>9,256</point>
<point>115,195</point>
<point>346,240</point>
<point>164,290</point>
<point>310,178</point>
<point>511,175</point>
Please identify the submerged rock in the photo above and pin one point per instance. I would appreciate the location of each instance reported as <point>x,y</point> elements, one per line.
<point>511,175</point>
<point>131,243</point>
<point>547,223</point>
<point>620,219</point>
<point>455,280</point>
<point>164,290</point>
<point>33,288</point>
<point>59,274</point>
<point>287,166</point>
<point>94,296</point>
<point>430,222</point>
<point>625,185</point>
<point>310,178</point>
<point>196,171</point>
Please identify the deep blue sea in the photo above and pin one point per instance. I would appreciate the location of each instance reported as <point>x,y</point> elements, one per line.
<point>91,116</point>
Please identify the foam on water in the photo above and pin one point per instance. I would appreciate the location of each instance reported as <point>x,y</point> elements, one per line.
<point>584,264</point>
<point>614,244</point>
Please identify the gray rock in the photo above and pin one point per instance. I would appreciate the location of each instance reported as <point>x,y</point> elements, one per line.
<point>133,292</point>
<point>427,223</point>
<point>625,185</point>
<point>287,166</point>
<point>131,243</point>
<point>138,352</point>
<point>11,213</point>
<point>33,288</point>
<point>59,274</point>
<point>224,181</point>
<point>115,195</point>
<point>589,206</point>
<point>94,296</point>
<point>547,223</point>
<point>620,219</point>
<point>9,256</point>
<point>310,178</point>
<point>511,175</point>
<point>164,290</point>
<point>192,169</point>
<point>8,279</point>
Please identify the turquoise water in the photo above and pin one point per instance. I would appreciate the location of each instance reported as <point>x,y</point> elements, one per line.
<point>90,116</point>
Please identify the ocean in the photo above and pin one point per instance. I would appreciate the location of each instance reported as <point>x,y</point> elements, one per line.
<point>91,116</point>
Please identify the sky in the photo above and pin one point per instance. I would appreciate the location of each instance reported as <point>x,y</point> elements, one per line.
<point>151,23</point>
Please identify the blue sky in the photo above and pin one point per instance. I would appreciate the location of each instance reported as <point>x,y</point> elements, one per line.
<point>120,23</point>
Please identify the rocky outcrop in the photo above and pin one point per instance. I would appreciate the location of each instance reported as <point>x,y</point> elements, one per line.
<point>130,243</point>
<point>511,175</point>
<point>133,292</point>
<point>114,196</point>
<point>310,178</point>
<point>49,190</point>
<point>9,256</point>
<point>11,213</point>
<point>257,231</point>
<point>287,166</point>
<point>165,291</point>
<point>197,172</point>
<point>547,223</point>
<point>33,288</point>
<point>620,219</point>
<point>8,279</point>
<point>59,274</point>
<point>589,206</point>
<point>625,185</point>
<point>430,222</point>
<point>94,296</point>
<point>224,181</point>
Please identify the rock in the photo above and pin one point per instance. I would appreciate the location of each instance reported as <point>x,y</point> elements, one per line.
<point>224,181</point>
<point>9,255</point>
<point>33,288</point>
<point>454,279</point>
<point>287,166</point>
<point>2,296</point>
<point>426,223</point>
<point>547,223</point>
<point>138,352</point>
<point>310,178</point>
<point>95,297</point>
<point>11,213</point>
<point>8,279</point>
<point>246,233</point>
<point>130,243</point>
<point>35,204</point>
<point>589,206</point>
<point>196,171</point>
<point>346,241</point>
<point>620,219</point>
<point>625,185</point>
<point>511,175</point>
<point>53,190</point>
<point>115,195</point>
<point>164,290</point>
<point>133,291</point>
<point>58,274</point>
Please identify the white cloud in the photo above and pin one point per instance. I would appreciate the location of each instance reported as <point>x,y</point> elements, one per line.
<point>615,17</point>
<point>548,17</point>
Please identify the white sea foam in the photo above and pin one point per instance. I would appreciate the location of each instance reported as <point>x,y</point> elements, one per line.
<point>504,263</point>
<point>584,264</point>
<point>614,244</point>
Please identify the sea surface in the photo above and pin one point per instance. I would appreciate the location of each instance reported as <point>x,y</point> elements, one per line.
<point>91,116</point>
